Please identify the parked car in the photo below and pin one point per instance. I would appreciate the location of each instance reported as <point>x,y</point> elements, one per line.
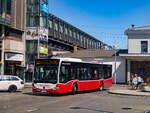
<point>10,83</point>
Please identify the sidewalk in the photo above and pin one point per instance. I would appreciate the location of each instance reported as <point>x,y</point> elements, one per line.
<point>126,90</point>
<point>28,85</point>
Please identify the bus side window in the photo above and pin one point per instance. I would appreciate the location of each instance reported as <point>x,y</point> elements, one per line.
<point>89,75</point>
<point>73,73</point>
<point>63,72</point>
<point>81,73</point>
<point>93,74</point>
<point>85,73</point>
<point>101,73</point>
<point>78,74</point>
<point>106,72</point>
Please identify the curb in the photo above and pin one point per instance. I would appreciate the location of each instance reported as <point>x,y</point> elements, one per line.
<point>128,94</point>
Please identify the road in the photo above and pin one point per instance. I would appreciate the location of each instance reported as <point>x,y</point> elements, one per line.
<point>84,102</point>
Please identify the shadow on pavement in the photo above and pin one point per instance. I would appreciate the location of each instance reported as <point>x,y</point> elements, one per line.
<point>79,108</point>
<point>62,94</point>
<point>10,92</point>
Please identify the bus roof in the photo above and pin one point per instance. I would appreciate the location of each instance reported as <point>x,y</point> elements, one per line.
<point>63,59</point>
<point>74,60</point>
<point>69,59</point>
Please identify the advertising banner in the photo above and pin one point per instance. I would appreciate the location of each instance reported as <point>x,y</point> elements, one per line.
<point>43,7</point>
<point>13,57</point>
<point>43,34</point>
<point>31,33</point>
<point>43,50</point>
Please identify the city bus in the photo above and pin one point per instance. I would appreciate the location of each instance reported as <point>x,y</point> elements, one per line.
<point>64,75</point>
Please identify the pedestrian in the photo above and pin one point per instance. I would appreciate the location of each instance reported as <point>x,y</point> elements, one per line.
<point>140,81</point>
<point>131,80</point>
<point>135,82</point>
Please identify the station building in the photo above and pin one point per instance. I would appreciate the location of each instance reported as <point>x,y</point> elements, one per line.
<point>138,55</point>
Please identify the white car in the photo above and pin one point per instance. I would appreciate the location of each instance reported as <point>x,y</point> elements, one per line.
<point>10,83</point>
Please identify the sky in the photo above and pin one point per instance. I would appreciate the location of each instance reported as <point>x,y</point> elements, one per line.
<point>106,20</point>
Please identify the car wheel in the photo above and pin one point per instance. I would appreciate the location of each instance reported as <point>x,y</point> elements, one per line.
<point>101,86</point>
<point>12,88</point>
<point>74,89</point>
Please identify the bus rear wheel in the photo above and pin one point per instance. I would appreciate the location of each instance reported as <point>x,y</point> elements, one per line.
<point>101,86</point>
<point>74,89</point>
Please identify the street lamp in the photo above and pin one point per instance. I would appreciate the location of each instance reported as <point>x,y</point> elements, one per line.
<point>38,42</point>
<point>115,76</point>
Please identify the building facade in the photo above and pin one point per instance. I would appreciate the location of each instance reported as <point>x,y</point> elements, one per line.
<point>138,56</point>
<point>12,35</point>
<point>36,33</point>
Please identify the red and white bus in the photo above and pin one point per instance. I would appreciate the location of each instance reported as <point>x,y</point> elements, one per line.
<point>70,75</point>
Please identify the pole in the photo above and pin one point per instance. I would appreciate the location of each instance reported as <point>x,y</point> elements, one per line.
<point>38,44</point>
<point>3,51</point>
<point>115,67</point>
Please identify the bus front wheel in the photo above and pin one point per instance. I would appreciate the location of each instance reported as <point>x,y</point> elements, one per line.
<point>74,89</point>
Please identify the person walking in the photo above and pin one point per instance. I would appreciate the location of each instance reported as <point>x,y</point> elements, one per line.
<point>135,82</point>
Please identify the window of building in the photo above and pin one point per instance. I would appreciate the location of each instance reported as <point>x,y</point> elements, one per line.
<point>1,8</point>
<point>28,20</point>
<point>84,41</point>
<point>144,46</point>
<point>8,6</point>
<point>74,34</point>
<point>87,43</point>
<point>43,21</point>
<point>56,26</point>
<point>50,23</point>
<point>81,39</point>
<point>70,33</point>
<point>77,36</point>
<point>61,28</point>
<point>36,20</point>
<point>66,31</point>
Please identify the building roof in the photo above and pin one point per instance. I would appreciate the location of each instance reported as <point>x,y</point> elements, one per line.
<point>138,30</point>
<point>90,53</point>
<point>142,28</point>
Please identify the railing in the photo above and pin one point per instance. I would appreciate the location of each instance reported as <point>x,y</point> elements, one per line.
<point>5,21</point>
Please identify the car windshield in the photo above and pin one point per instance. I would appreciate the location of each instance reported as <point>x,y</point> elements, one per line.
<point>46,74</point>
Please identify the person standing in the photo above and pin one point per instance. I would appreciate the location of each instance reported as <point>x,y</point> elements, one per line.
<point>140,81</point>
<point>135,82</point>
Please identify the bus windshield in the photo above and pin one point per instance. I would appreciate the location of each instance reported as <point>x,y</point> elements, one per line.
<point>46,73</point>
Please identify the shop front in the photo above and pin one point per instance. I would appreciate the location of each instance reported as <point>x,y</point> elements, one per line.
<point>137,64</point>
<point>13,64</point>
<point>141,68</point>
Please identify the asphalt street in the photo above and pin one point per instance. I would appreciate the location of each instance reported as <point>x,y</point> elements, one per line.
<point>84,102</point>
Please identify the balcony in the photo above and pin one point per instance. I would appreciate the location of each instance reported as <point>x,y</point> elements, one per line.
<point>4,21</point>
<point>14,46</point>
